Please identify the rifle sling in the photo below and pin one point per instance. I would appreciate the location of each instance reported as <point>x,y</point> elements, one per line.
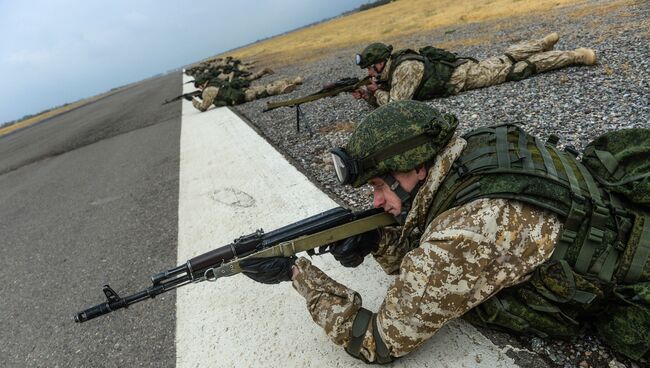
<point>307,242</point>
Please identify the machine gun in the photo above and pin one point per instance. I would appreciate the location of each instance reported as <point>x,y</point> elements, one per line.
<point>318,231</point>
<point>188,96</point>
<point>330,90</point>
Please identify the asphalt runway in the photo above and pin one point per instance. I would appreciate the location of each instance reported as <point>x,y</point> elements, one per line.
<point>88,198</point>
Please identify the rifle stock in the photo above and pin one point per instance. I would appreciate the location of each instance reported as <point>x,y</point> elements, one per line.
<point>318,231</point>
<point>340,86</point>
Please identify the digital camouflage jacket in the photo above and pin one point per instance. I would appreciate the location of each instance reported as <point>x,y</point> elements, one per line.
<point>444,268</point>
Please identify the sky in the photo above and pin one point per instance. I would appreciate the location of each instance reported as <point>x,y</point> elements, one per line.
<point>56,52</point>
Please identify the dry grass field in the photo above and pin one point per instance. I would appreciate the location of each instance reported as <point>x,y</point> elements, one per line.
<point>41,117</point>
<point>393,22</point>
<point>54,112</point>
<point>389,23</point>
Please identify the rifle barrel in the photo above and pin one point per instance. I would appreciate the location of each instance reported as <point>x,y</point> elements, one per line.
<point>199,268</point>
<point>348,85</point>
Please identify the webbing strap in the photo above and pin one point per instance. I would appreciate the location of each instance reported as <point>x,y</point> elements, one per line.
<point>524,153</point>
<point>546,157</point>
<point>608,160</point>
<point>642,253</point>
<point>383,355</point>
<point>396,187</point>
<point>359,328</point>
<point>576,211</point>
<point>503,156</point>
<point>573,181</point>
<point>599,217</point>
<point>485,161</point>
<point>394,149</point>
<point>477,153</point>
<point>478,131</point>
<point>605,265</point>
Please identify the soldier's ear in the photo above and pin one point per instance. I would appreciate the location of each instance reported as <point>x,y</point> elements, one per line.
<point>421,172</point>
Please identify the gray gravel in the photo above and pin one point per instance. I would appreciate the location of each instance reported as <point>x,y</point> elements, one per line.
<point>576,103</point>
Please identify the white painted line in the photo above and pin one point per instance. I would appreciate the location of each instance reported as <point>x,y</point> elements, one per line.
<point>233,182</point>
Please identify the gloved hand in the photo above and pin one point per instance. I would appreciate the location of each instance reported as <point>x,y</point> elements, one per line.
<point>271,270</point>
<point>351,251</point>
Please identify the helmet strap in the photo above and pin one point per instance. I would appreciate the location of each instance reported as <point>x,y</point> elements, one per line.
<point>405,197</point>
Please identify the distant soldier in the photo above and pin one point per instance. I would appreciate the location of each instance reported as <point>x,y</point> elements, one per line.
<point>433,72</point>
<point>237,91</point>
<point>226,69</point>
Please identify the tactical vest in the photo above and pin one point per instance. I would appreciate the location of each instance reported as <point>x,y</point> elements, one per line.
<point>230,93</point>
<point>437,73</point>
<point>600,266</point>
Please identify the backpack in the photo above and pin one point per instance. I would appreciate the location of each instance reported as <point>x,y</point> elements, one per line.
<point>600,270</point>
<point>620,161</point>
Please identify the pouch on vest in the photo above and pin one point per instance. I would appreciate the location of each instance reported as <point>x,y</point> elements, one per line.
<point>620,161</point>
<point>626,324</point>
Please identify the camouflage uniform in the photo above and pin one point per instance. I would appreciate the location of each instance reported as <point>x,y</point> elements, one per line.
<point>471,75</point>
<point>227,69</point>
<point>445,268</point>
<point>210,94</point>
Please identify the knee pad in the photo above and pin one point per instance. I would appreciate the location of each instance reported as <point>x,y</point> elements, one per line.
<point>518,73</point>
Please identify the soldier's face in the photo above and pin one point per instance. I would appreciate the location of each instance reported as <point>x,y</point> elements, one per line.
<point>375,70</point>
<point>385,198</point>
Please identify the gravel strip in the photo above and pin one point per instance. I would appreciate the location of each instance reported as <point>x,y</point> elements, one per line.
<point>576,103</point>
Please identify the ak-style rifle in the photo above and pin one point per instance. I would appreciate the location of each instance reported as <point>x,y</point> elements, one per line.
<point>318,231</point>
<point>188,96</point>
<point>330,90</point>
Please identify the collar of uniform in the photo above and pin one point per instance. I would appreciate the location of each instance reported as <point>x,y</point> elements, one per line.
<point>441,167</point>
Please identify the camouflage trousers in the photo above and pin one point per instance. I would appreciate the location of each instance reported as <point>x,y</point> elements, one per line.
<point>275,88</point>
<point>497,69</point>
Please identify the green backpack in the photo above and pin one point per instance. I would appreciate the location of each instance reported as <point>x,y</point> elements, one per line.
<point>600,270</point>
<point>620,161</point>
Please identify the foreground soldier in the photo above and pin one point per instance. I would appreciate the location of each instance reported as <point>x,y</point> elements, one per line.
<point>407,75</point>
<point>481,215</point>
<point>228,93</point>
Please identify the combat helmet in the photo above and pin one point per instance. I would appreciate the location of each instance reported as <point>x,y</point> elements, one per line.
<point>396,137</point>
<point>373,54</point>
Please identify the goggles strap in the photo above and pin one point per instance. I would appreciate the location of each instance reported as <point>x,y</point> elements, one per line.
<point>394,149</point>
<point>405,197</point>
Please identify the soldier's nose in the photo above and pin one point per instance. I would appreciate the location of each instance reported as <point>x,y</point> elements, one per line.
<point>378,200</point>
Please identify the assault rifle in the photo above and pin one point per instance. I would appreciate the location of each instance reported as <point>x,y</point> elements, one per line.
<point>318,231</point>
<point>330,90</point>
<point>188,96</point>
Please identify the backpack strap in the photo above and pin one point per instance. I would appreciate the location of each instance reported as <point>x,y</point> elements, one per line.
<point>577,211</point>
<point>642,253</point>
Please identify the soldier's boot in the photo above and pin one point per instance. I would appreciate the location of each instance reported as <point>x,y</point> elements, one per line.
<point>551,60</point>
<point>550,40</point>
<point>585,56</point>
<point>293,84</point>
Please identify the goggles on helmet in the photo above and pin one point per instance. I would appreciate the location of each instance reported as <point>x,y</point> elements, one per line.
<point>345,166</point>
<point>358,59</point>
<point>348,169</point>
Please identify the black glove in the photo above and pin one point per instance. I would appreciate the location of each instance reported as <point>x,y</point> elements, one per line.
<point>351,251</point>
<point>271,270</point>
